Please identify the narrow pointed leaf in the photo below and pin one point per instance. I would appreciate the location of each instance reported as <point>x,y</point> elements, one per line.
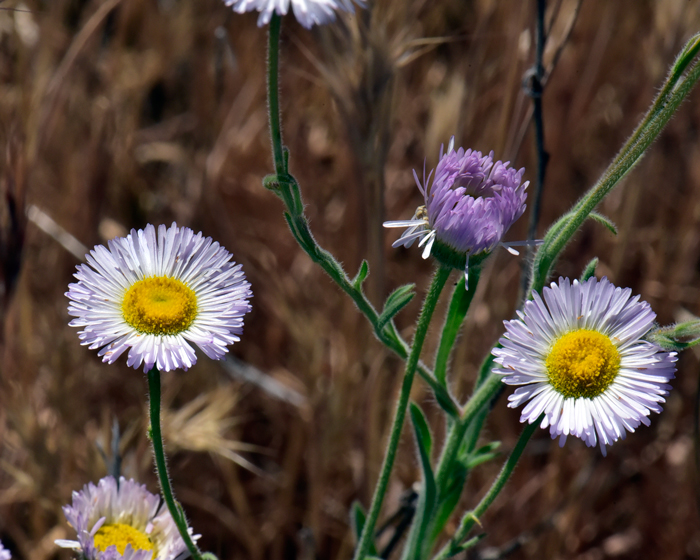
<point>397,300</point>
<point>361,275</point>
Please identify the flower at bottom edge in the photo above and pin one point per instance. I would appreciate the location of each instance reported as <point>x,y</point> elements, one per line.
<point>4,553</point>
<point>578,355</point>
<point>153,293</point>
<point>122,521</point>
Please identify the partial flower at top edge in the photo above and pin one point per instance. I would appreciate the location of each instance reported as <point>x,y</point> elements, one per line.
<point>153,293</point>
<point>122,521</point>
<point>579,355</point>
<point>307,12</point>
<point>469,206</point>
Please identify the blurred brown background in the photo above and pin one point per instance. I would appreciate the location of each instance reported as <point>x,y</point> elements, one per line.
<point>116,113</point>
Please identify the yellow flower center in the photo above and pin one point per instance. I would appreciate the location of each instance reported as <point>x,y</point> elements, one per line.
<point>122,535</point>
<point>582,363</point>
<point>159,305</point>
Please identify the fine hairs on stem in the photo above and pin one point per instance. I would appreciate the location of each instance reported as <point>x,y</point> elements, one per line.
<point>174,507</point>
<point>464,422</point>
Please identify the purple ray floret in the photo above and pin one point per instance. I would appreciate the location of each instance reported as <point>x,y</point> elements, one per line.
<point>469,205</point>
<point>473,201</point>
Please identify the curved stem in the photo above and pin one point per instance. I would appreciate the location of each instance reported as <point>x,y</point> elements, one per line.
<point>174,508</point>
<point>454,546</point>
<point>426,314</point>
<point>286,187</point>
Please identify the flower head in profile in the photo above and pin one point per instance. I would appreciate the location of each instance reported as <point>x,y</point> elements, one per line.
<point>152,293</point>
<point>4,553</point>
<point>122,521</point>
<point>307,12</point>
<point>579,356</point>
<point>469,206</point>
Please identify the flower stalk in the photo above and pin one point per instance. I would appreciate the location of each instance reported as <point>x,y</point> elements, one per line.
<point>156,437</point>
<point>439,279</point>
<point>454,546</point>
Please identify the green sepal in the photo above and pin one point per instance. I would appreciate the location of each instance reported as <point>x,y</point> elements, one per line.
<point>589,271</point>
<point>358,515</point>
<point>676,337</point>
<point>452,258</point>
<point>397,300</point>
<point>416,541</point>
<point>361,275</point>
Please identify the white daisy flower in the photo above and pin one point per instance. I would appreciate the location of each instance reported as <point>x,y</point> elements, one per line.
<point>152,295</point>
<point>4,553</point>
<point>581,360</point>
<point>122,521</point>
<point>307,12</point>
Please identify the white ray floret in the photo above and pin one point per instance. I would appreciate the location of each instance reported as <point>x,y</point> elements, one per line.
<point>579,357</point>
<point>307,12</point>
<point>153,293</point>
<point>114,519</point>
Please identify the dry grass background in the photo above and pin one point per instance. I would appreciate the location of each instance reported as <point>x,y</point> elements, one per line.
<point>115,113</point>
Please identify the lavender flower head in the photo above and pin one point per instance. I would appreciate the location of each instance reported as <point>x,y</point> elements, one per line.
<point>4,553</point>
<point>469,206</point>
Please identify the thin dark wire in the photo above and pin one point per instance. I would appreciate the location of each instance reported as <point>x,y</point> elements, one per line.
<point>534,87</point>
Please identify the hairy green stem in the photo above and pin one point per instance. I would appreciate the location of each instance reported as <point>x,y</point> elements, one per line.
<point>175,508</point>
<point>455,545</point>
<point>439,279</point>
<point>675,90</point>
<point>273,93</point>
<point>286,187</point>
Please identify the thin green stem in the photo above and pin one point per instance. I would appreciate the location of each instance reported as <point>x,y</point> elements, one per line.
<point>273,93</point>
<point>675,90</point>
<point>439,279</point>
<point>454,546</point>
<point>467,425</point>
<point>287,188</point>
<point>459,305</point>
<point>174,507</point>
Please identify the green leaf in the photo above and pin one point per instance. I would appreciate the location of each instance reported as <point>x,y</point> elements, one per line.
<point>361,275</point>
<point>607,222</point>
<point>589,271</point>
<point>397,300</point>
<point>481,455</point>
<point>471,542</point>
<point>685,57</point>
<point>449,498</point>
<point>420,424</point>
<point>358,515</point>
<point>415,544</point>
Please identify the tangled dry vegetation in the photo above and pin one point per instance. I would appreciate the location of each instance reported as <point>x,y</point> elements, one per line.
<point>114,113</point>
